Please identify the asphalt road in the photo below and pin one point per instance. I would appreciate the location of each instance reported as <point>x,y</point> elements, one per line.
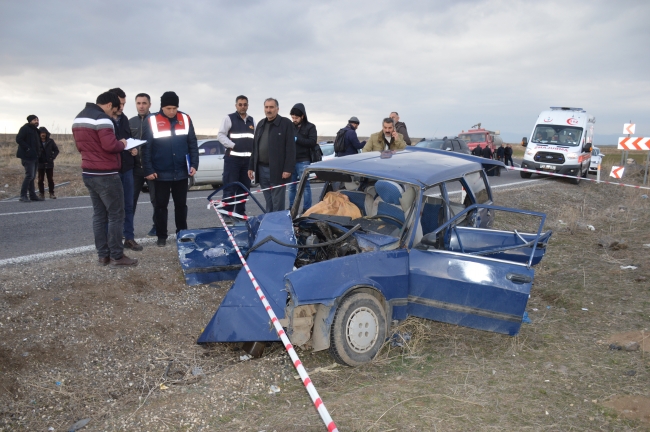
<point>66,223</point>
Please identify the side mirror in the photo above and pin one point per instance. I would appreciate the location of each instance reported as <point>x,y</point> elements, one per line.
<point>524,141</point>
<point>587,147</point>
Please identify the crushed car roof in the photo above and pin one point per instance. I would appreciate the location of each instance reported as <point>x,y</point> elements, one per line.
<point>412,165</point>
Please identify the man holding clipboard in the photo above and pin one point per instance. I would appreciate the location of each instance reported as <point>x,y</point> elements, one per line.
<point>170,157</point>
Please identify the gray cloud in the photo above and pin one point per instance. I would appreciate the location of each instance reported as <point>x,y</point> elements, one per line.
<point>443,65</point>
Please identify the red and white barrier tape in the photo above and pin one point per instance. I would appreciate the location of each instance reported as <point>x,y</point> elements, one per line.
<point>318,402</point>
<point>568,176</point>
<point>260,190</point>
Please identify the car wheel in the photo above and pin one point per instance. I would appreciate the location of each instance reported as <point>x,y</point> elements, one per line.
<point>190,182</point>
<point>576,179</point>
<point>215,186</point>
<point>358,331</point>
<point>524,174</point>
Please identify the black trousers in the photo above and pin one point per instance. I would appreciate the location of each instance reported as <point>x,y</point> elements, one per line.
<point>42,172</point>
<point>138,181</point>
<point>178,191</point>
<point>235,169</point>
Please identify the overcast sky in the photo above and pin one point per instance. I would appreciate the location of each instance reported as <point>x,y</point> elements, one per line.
<point>443,65</point>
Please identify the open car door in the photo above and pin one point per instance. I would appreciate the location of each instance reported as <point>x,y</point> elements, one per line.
<point>475,277</point>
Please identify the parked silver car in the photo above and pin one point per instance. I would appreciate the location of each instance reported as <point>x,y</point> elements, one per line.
<point>210,170</point>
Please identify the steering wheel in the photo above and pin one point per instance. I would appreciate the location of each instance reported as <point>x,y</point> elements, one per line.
<point>389,217</point>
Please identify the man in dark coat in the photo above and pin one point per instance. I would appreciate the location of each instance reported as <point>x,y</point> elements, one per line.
<point>170,157</point>
<point>274,155</point>
<point>350,139</point>
<point>49,152</point>
<point>508,155</point>
<point>400,127</point>
<point>486,152</point>
<point>501,152</point>
<point>123,131</point>
<point>477,151</point>
<point>306,140</point>
<point>142,104</point>
<point>29,150</point>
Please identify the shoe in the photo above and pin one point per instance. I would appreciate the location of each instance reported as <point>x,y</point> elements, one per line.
<point>125,261</point>
<point>52,196</point>
<point>133,245</point>
<point>24,199</point>
<point>162,242</point>
<point>103,261</point>
<point>37,198</point>
<point>40,195</point>
<point>152,232</point>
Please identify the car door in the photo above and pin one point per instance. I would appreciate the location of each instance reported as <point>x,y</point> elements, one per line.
<point>210,162</point>
<point>458,287</point>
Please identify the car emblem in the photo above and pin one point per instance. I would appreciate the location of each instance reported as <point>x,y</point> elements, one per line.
<point>549,157</point>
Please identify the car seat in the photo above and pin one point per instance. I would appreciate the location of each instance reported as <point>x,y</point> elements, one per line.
<point>393,200</point>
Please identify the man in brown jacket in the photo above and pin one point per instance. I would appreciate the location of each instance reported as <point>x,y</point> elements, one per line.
<point>386,139</point>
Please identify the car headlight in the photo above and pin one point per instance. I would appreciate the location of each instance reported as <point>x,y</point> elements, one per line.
<point>530,152</point>
<point>572,156</point>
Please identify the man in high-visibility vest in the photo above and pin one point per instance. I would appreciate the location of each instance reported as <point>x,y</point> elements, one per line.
<point>170,157</point>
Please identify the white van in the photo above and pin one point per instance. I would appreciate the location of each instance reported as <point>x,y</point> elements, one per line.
<point>561,143</point>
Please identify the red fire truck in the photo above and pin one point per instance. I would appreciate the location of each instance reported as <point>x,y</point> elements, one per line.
<point>478,136</point>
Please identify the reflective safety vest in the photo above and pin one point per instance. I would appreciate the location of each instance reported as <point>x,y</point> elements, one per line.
<point>161,126</point>
<point>242,134</point>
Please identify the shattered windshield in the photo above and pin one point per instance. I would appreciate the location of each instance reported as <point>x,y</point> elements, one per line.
<point>473,137</point>
<point>557,134</point>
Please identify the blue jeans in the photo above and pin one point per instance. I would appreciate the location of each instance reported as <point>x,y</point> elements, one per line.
<point>235,169</point>
<point>28,182</point>
<point>295,176</point>
<point>107,197</point>
<point>275,197</point>
<point>127,187</point>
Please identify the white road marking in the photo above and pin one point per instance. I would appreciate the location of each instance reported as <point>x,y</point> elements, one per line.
<point>72,251</point>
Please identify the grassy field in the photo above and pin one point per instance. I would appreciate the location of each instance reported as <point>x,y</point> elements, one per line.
<point>119,347</point>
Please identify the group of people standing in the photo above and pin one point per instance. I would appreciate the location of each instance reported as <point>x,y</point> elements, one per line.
<point>502,154</point>
<point>37,151</point>
<point>114,175</point>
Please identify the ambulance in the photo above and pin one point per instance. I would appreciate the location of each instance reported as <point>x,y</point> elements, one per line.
<point>561,143</point>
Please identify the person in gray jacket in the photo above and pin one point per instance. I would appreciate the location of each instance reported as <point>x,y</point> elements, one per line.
<point>400,127</point>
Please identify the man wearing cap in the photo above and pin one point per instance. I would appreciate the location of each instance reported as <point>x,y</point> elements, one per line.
<point>306,142</point>
<point>274,155</point>
<point>170,157</point>
<point>352,143</point>
<point>236,133</point>
<point>94,136</point>
<point>386,139</point>
<point>29,150</point>
<point>400,127</point>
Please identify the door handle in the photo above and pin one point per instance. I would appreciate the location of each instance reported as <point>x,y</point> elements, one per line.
<point>519,278</point>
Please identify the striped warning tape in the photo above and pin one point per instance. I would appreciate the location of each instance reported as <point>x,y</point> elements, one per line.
<point>581,178</point>
<point>318,402</point>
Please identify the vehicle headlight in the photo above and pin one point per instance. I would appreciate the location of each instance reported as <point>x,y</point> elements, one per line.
<point>572,156</point>
<point>530,152</point>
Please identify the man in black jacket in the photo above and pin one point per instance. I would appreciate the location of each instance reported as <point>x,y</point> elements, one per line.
<point>46,163</point>
<point>142,105</point>
<point>29,150</point>
<point>350,139</point>
<point>305,136</point>
<point>123,131</point>
<point>274,155</point>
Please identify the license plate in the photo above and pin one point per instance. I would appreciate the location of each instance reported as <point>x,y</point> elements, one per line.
<point>549,167</point>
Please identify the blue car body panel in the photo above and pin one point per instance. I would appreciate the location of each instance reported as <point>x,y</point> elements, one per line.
<point>241,316</point>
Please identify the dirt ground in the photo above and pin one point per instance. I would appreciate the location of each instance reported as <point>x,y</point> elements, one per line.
<point>117,347</point>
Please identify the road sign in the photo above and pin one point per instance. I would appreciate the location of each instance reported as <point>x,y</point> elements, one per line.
<point>617,172</point>
<point>634,143</point>
<point>628,128</point>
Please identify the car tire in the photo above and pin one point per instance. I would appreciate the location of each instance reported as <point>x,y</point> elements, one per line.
<point>358,331</point>
<point>215,186</point>
<point>577,178</point>
<point>525,175</point>
<point>190,182</point>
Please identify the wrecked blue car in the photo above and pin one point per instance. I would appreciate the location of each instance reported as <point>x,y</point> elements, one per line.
<point>424,244</point>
